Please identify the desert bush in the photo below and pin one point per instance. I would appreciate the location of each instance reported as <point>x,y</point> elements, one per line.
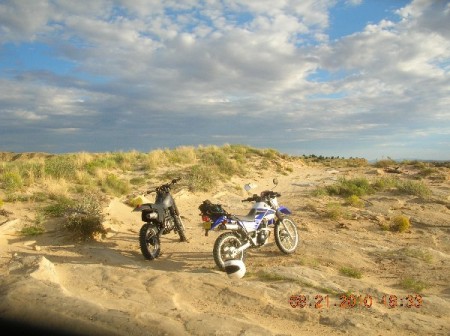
<point>385,163</point>
<point>114,185</point>
<point>201,178</point>
<point>270,153</point>
<point>355,201</point>
<point>417,254</point>
<point>85,218</point>
<point>99,162</point>
<point>31,171</point>
<point>319,192</point>
<point>334,211</point>
<point>416,188</point>
<point>427,171</point>
<point>384,183</point>
<point>137,181</point>
<point>59,208</point>
<point>400,223</point>
<point>351,272</point>
<point>32,230</point>
<point>356,162</point>
<point>11,181</point>
<point>412,284</point>
<point>61,166</point>
<point>56,187</point>
<point>156,158</point>
<point>356,186</point>
<point>182,155</point>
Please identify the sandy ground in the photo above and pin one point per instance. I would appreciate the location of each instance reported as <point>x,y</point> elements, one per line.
<point>106,287</point>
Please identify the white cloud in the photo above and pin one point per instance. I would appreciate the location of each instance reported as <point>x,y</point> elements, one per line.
<point>244,63</point>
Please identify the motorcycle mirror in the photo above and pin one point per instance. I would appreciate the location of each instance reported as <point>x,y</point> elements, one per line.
<point>249,186</point>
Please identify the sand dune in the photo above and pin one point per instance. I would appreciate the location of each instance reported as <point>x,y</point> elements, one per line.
<point>106,287</point>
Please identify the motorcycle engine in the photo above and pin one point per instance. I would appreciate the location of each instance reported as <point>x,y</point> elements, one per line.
<point>262,234</point>
<point>168,225</point>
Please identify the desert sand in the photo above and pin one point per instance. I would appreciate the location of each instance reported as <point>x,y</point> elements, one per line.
<point>106,287</point>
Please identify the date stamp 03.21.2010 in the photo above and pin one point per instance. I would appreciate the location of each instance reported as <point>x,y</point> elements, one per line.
<point>349,301</point>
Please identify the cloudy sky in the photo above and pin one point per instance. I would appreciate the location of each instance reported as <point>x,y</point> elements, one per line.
<point>353,78</point>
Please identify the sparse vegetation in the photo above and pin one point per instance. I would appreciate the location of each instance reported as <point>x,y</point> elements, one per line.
<point>416,188</point>
<point>417,253</point>
<point>413,284</point>
<point>32,230</point>
<point>350,272</point>
<point>85,219</point>
<point>11,181</point>
<point>384,163</point>
<point>354,201</point>
<point>400,223</point>
<point>334,211</point>
<point>114,185</point>
<point>59,207</point>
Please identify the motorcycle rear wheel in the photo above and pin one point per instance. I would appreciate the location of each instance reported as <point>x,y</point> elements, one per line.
<point>223,248</point>
<point>149,241</point>
<point>286,236</point>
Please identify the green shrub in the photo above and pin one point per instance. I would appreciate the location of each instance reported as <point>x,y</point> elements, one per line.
<point>384,183</point>
<point>61,166</point>
<point>112,184</point>
<point>201,178</point>
<point>182,155</point>
<point>355,186</point>
<point>355,201</point>
<point>385,163</point>
<point>100,162</point>
<point>351,272</point>
<point>416,188</point>
<point>218,159</point>
<point>413,284</point>
<point>319,192</point>
<point>334,211</point>
<point>417,253</point>
<point>11,181</point>
<point>85,219</point>
<point>32,230</point>
<point>400,223</point>
<point>59,208</point>
<point>137,181</point>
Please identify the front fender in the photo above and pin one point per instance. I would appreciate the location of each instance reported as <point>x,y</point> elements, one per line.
<point>282,211</point>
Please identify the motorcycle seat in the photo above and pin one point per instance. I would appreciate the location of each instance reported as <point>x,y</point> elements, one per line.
<point>245,218</point>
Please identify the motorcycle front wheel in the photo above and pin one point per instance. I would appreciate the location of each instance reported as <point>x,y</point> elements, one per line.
<point>286,236</point>
<point>149,241</point>
<point>180,229</point>
<point>224,249</point>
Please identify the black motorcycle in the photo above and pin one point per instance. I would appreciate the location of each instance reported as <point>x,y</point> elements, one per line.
<point>160,218</point>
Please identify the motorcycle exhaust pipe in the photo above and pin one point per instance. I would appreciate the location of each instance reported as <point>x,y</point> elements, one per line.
<point>231,227</point>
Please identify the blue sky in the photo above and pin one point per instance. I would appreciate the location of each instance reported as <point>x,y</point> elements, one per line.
<point>353,78</point>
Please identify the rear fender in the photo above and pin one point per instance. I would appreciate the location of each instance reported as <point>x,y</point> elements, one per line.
<point>149,207</point>
<point>141,207</point>
<point>219,221</point>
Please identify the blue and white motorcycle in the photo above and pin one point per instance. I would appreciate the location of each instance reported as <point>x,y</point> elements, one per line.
<point>252,230</point>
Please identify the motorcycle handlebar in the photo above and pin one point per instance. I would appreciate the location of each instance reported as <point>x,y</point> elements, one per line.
<point>165,185</point>
<point>257,198</point>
